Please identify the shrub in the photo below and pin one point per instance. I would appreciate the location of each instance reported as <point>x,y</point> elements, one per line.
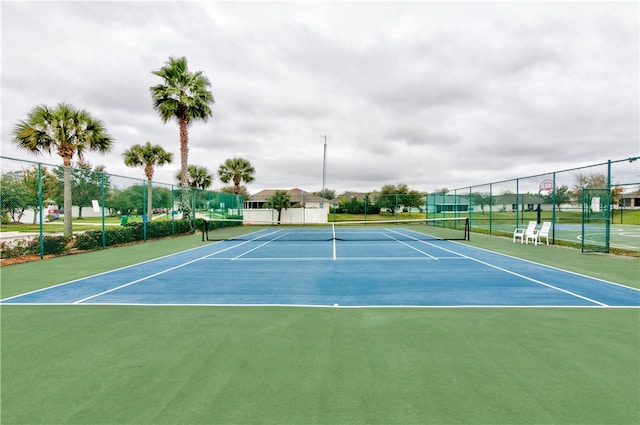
<point>92,239</point>
<point>55,245</point>
<point>52,245</point>
<point>123,235</point>
<point>88,240</point>
<point>15,248</point>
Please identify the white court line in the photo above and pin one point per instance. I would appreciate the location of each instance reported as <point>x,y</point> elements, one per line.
<point>259,246</point>
<point>556,268</point>
<point>104,273</point>
<point>539,282</point>
<point>333,228</point>
<point>156,274</point>
<point>366,306</point>
<point>343,259</point>
<point>406,244</point>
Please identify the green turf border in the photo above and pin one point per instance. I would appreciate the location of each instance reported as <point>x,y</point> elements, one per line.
<point>275,365</point>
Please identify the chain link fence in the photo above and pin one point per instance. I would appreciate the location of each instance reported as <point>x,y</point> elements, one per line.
<point>559,198</point>
<point>33,193</point>
<point>106,209</point>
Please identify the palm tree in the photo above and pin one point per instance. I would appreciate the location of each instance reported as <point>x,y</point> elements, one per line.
<point>147,156</point>
<point>70,132</point>
<point>198,177</point>
<point>184,96</point>
<point>279,201</point>
<point>237,170</point>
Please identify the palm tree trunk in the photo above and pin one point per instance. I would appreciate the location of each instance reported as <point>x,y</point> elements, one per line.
<point>68,203</point>
<point>149,200</point>
<point>185,203</point>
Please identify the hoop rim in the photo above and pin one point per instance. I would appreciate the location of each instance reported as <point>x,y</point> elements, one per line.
<point>546,184</point>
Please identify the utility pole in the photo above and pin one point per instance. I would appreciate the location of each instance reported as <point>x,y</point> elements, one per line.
<point>324,168</point>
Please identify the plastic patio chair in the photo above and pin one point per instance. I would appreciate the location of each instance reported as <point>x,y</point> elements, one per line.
<point>543,232</point>
<point>524,233</point>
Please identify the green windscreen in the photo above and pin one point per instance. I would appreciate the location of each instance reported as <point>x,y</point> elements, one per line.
<point>596,220</point>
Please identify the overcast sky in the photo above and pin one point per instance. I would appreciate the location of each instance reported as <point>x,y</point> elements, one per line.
<point>430,94</point>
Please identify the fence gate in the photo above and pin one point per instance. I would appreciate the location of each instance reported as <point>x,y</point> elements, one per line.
<point>596,220</point>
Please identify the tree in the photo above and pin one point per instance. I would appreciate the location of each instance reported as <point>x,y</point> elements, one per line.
<point>411,199</point>
<point>32,190</point>
<point>392,197</point>
<point>616,194</point>
<point>126,201</point>
<point>148,156</point>
<point>244,192</point>
<point>480,198</point>
<point>596,180</point>
<point>197,177</point>
<point>86,184</point>
<point>561,195</point>
<point>237,170</point>
<point>328,194</point>
<point>67,130</point>
<point>590,181</point>
<point>162,199</point>
<point>279,201</point>
<point>13,199</point>
<point>183,96</point>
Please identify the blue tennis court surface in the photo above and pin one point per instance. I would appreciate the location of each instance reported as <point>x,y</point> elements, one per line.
<point>396,268</point>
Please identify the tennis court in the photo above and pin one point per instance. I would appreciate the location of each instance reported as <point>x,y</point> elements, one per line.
<point>388,266</point>
<point>622,236</point>
<point>245,331</point>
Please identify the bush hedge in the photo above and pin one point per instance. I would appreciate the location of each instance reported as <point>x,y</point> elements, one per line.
<point>92,239</point>
<point>133,232</point>
<point>113,236</point>
<point>52,245</point>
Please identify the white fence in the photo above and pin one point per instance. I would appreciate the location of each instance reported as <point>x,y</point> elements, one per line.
<point>289,216</point>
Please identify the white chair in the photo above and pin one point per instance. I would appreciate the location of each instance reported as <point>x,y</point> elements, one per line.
<point>524,233</point>
<point>531,235</point>
<point>543,232</point>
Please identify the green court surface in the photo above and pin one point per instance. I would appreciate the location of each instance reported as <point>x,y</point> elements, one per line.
<point>622,236</point>
<point>288,365</point>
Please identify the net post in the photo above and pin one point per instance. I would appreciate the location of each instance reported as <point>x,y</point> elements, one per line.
<point>467,230</point>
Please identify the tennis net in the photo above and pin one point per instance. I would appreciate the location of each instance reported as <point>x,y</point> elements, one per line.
<point>456,228</point>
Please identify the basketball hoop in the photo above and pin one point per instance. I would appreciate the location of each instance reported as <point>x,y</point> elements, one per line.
<point>546,184</point>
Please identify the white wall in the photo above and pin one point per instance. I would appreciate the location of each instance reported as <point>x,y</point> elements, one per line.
<point>289,216</point>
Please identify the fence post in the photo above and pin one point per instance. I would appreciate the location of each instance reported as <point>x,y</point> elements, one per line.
<point>104,236</point>
<point>491,208</point>
<point>144,209</point>
<point>608,216</point>
<point>553,213</point>
<point>41,205</point>
<point>517,202</point>
<point>173,204</point>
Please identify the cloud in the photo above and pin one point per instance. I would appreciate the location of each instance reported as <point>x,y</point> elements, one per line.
<point>431,94</point>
